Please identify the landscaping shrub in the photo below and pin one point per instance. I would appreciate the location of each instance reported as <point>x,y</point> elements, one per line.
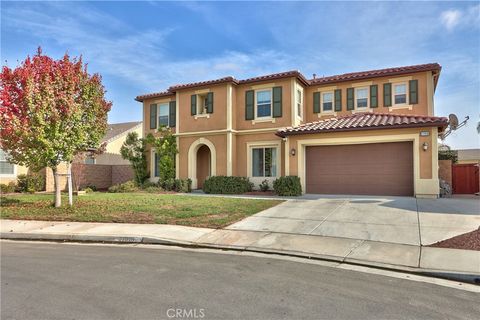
<point>91,187</point>
<point>227,185</point>
<point>134,149</point>
<point>448,155</point>
<point>30,183</point>
<point>183,185</point>
<point>287,186</point>
<point>168,184</point>
<point>7,188</point>
<point>153,189</point>
<point>88,190</point>
<point>178,185</point>
<point>129,186</point>
<point>264,185</point>
<point>148,184</point>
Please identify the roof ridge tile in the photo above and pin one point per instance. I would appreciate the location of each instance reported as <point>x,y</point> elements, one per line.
<point>363,121</point>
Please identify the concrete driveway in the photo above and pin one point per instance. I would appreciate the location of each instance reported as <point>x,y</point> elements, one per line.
<point>401,220</point>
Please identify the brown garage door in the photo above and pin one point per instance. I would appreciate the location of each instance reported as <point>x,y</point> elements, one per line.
<point>364,169</point>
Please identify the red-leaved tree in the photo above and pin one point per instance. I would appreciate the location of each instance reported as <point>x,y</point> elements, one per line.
<point>50,111</point>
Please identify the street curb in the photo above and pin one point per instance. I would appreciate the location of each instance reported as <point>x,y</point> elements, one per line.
<point>445,274</point>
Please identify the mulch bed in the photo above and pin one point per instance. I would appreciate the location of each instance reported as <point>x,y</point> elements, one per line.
<point>467,241</point>
<point>260,193</point>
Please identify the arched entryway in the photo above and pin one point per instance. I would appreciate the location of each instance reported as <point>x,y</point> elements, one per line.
<point>201,162</point>
<point>203,165</point>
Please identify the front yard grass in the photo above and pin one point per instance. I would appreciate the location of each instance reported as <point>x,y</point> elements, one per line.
<point>195,211</point>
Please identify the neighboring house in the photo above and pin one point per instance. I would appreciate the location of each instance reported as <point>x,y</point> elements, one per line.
<point>468,156</point>
<point>114,170</point>
<point>114,139</point>
<point>9,171</point>
<point>371,132</point>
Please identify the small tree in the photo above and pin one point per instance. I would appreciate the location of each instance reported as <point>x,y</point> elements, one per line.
<point>165,146</point>
<point>133,150</point>
<point>50,111</point>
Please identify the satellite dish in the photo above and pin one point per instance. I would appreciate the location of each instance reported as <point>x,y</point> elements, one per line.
<point>453,121</point>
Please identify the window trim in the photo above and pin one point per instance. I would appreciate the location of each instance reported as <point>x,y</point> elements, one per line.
<point>168,113</point>
<point>356,98</point>
<point>321,102</point>
<point>264,169</point>
<point>299,93</point>
<point>200,97</point>
<point>256,117</point>
<point>9,175</point>
<point>264,144</point>
<point>394,84</point>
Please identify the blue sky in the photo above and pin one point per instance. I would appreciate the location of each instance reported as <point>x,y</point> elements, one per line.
<point>141,47</point>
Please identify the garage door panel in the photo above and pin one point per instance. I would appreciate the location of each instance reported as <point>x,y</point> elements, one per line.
<point>376,169</point>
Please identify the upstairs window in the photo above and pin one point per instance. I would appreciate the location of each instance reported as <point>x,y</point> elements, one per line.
<point>202,102</point>
<point>400,93</point>
<point>264,103</point>
<point>299,103</point>
<point>361,98</point>
<point>327,101</point>
<point>163,113</point>
<point>264,162</point>
<point>6,168</point>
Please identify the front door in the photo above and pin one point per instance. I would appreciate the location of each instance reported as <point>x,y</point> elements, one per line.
<point>203,165</point>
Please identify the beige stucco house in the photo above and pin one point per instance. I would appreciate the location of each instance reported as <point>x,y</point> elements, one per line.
<point>371,132</point>
<point>9,171</point>
<point>114,139</point>
<point>468,156</point>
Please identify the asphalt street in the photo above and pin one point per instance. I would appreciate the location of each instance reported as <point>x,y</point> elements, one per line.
<point>65,281</point>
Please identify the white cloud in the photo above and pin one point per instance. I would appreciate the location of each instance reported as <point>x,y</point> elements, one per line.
<point>451,18</point>
<point>455,18</point>
<point>140,57</point>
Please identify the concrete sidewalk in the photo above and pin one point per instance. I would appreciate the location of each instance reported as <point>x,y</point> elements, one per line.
<point>453,263</point>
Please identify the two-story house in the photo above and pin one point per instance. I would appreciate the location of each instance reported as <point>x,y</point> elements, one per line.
<point>371,132</point>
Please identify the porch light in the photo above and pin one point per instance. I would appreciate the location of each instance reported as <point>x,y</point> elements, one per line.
<point>293,151</point>
<point>425,146</point>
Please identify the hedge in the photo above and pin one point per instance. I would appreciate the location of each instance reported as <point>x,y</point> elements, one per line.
<point>227,185</point>
<point>30,183</point>
<point>287,186</point>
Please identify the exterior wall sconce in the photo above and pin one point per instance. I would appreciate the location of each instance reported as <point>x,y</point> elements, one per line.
<point>425,146</point>
<point>293,151</point>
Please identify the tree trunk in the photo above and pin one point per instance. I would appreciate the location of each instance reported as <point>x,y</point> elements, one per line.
<point>70,191</point>
<point>58,195</point>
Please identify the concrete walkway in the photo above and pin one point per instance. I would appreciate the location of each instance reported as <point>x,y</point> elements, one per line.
<point>414,258</point>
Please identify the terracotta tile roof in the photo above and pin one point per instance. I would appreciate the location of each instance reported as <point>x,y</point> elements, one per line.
<point>273,76</point>
<point>376,73</point>
<point>201,83</point>
<point>365,121</point>
<point>154,95</point>
<point>301,78</point>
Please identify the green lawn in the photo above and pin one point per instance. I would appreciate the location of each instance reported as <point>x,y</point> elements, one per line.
<point>211,212</point>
